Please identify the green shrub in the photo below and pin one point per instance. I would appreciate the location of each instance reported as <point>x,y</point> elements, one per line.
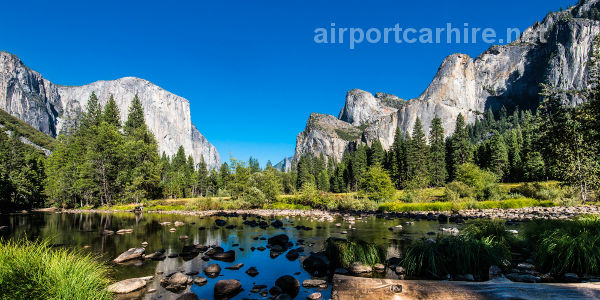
<point>484,184</point>
<point>566,246</point>
<point>492,229</point>
<point>454,255</point>
<point>539,191</point>
<point>34,270</point>
<point>377,185</point>
<point>343,253</point>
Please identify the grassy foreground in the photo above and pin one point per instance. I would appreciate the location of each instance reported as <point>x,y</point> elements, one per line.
<point>34,270</point>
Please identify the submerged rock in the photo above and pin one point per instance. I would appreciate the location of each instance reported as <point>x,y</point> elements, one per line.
<point>288,285</point>
<point>212,270</point>
<point>127,286</point>
<point>360,268</point>
<point>225,289</point>
<point>131,254</point>
<point>313,283</point>
<point>188,296</point>
<point>252,271</point>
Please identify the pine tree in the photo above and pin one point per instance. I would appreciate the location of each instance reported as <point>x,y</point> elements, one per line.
<point>437,161</point>
<point>418,166</point>
<point>202,177</point>
<point>498,155</point>
<point>376,154</point>
<point>111,114</point>
<point>461,146</point>
<point>93,113</point>
<point>135,118</point>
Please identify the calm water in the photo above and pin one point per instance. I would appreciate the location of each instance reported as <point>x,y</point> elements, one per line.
<point>84,230</point>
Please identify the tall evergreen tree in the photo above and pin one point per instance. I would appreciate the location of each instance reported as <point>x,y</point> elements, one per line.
<point>461,146</point>
<point>111,114</point>
<point>437,160</point>
<point>418,165</point>
<point>135,118</point>
<point>498,155</point>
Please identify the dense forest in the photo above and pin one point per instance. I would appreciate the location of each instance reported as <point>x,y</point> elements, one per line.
<point>101,160</point>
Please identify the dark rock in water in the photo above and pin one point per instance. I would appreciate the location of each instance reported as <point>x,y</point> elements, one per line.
<point>212,270</point>
<point>292,254</point>
<point>226,289</point>
<point>205,258</point>
<point>224,256</point>
<point>288,285</point>
<point>431,233</point>
<point>230,226</point>
<point>257,288</point>
<point>442,218</point>
<point>235,267</point>
<point>192,273</point>
<point>235,245</point>
<point>317,264</point>
<point>252,271</point>
<point>281,240</point>
<point>277,248</point>
<point>200,281</point>
<point>172,255</point>
<point>261,248</point>
<point>158,255</point>
<point>176,282</point>
<point>274,254</point>
<point>275,291</point>
<point>314,296</point>
<point>277,224</point>
<point>220,222</point>
<point>131,254</point>
<point>188,296</point>
<point>283,297</point>
<point>201,228</point>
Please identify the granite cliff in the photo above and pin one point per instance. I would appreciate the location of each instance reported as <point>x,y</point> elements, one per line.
<point>554,51</point>
<point>46,106</point>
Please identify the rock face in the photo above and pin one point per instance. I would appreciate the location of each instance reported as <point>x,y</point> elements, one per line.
<point>284,165</point>
<point>555,52</point>
<point>51,108</point>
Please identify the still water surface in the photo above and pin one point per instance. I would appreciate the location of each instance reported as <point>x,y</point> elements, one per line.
<point>84,230</point>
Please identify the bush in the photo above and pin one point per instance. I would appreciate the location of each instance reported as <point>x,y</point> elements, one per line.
<point>492,229</point>
<point>377,185</point>
<point>343,253</point>
<point>566,246</point>
<point>351,203</point>
<point>456,190</point>
<point>34,270</point>
<point>483,184</point>
<point>455,256</point>
<point>539,191</point>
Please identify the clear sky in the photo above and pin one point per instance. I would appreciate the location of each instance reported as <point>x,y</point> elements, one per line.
<point>251,68</point>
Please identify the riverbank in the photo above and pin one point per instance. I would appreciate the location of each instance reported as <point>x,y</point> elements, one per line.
<point>513,214</point>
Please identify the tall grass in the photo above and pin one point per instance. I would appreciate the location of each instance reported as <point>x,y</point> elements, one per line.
<point>566,246</point>
<point>454,255</point>
<point>34,270</point>
<point>399,206</point>
<point>492,229</point>
<point>343,253</point>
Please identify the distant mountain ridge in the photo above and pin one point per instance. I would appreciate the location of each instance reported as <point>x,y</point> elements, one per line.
<point>554,51</point>
<point>25,94</point>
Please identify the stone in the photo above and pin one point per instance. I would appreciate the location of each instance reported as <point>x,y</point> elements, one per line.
<point>212,270</point>
<point>178,279</point>
<point>378,267</point>
<point>183,237</point>
<point>224,256</point>
<point>360,268</point>
<point>280,240</point>
<point>313,283</point>
<point>292,254</point>
<point>314,296</point>
<point>277,224</point>
<point>178,223</point>
<point>571,277</point>
<point>283,297</point>
<point>464,277</point>
<point>523,277</point>
<point>220,222</point>
<point>200,281</point>
<point>288,285</point>
<point>144,244</point>
<point>494,272</point>
<point>316,264</point>
<point>235,267</point>
<point>131,254</point>
<point>227,288</point>
<point>275,291</point>
<point>188,296</point>
<point>127,286</point>
<point>399,270</point>
<point>124,231</point>
<point>252,271</point>
<point>525,266</point>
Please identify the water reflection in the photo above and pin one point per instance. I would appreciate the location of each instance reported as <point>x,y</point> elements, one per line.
<point>84,231</point>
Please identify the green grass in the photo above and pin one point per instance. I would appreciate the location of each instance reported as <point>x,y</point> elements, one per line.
<point>566,246</point>
<point>492,229</point>
<point>453,255</point>
<point>399,206</point>
<point>343,253</point>
<point>24,129</point>
<point>34,270</point>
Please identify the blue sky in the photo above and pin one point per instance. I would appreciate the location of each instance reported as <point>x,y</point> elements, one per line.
<point>251,69</point>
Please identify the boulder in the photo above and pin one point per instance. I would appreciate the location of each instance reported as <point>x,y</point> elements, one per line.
<point>188,296</point>
<point>252,271</point>
<point>360,268</point>
<point>133,253</point>
<point>313,283</point>
<point>212,270</point>
<point>127,286</point>
<point>314,296</point>
<point>288,285</point>
<point>277,224</point>
<point>200,281</point>
<point>225,289</point>
<point>281,240</point>
<point>220,222</point>
<point>224,256</point>
<point>292,254</point>
<point>317,264</point>
<point>235,267</point>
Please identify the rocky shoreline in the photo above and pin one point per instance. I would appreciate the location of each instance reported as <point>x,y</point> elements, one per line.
<point>513,214</point>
